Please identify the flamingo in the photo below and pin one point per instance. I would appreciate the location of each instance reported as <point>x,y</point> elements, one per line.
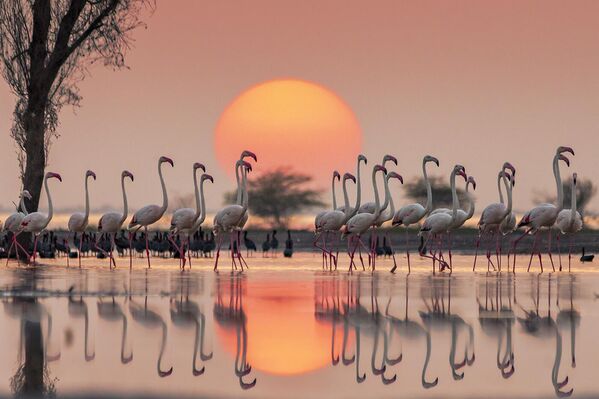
<point>245,154</point>
<point>360,223</point>
<point>150,214</point>
<point>13,224</point>
<point>183,218</point>
<point>318,218</point>
<point>36,222</point>
<point>413,213</point>
<point>544,215</point>
<point>202,217</point>
<point>496,214</point>
<point>492,217</point>
<point>440,223</point>
<point>384,216</point>
<point>333,220</point>
<point>508,225</point>
<point>569,221</point>
<point>111,222</point>
<point>368,207</point>
<point>78,221</point>
<point>229,217</point>
<point>462,216</point>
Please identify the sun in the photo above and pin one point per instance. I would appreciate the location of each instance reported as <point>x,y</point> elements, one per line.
<point>293,123</point>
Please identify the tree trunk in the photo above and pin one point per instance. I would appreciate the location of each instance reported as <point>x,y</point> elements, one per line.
<point>35,161</point>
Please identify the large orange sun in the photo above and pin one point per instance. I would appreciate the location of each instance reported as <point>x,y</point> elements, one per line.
<point>290,122</point>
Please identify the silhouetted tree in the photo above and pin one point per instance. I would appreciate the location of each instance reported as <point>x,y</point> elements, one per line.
<point>46,47</point>
<point>416,190</point>
<point>585,191</point>
<point>279,194</point>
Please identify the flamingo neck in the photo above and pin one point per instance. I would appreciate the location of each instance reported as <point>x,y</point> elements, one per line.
<point>197,193</point>
<point>239,192</point>
<point>347,211</point>
<point>202,215</point>
<point>86,216</point>
<point>125,205</point>
<point>244,189</point>
<point>358,190</point>
<point>22,207</point>
<point>429,190</point>
<point>163,185</point>
<point>333,191</point>
<point>377,202</point>
<point>471,203</point>
<point>387,193</point>
<point>558,183</point>
<point>573,203</point>
<point>454,197</point>
<point>391,204</point>
<point>508,191</point>
<point>499,188</point>
<point>50,207</point>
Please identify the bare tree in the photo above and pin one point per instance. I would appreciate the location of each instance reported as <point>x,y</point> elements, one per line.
<point>46,47</point>
<point>585,191</point>
<point>279,194</point>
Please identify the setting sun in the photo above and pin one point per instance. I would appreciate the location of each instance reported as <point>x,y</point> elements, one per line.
<point>292,123</point>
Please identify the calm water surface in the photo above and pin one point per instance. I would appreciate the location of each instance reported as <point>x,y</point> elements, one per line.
<point>287,329</point>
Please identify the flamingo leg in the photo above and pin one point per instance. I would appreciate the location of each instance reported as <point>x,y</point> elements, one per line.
<point>476,250</point>
<point>219,244</point>
<point>107,254</point>
<point>360,252</point>
<point>169,237</point>
<point>559,252</point>
<point>147,246</point>
<point>233,263</point>
<point>353,252</point>
<point>392,252</point>
<point>112,236</point>
<point>12,244</point>
<point>534,247</point>
<point>408,248</point>
<point>189,251</point>
<point>130,251</point>
<point>569,253</point>
<point>549,235</point>
<point>79,254</point>
<point>449,242</point>
<point>34,248</point>
<point>514,243</point>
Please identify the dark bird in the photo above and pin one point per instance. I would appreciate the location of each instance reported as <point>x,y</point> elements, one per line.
<point>266,246</point>
<point>586,258</point>
<point>288,252</point>
<point>249,244</point>
<point>274,243</point>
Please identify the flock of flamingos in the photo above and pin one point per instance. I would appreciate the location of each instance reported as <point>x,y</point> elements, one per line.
<point>352,222</point>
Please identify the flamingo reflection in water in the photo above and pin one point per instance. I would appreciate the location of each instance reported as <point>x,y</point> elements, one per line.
<point>366,321</point>
<point>233,316</point>
<point>410,330</point>
<point>150,319</point>
<point>439,317</point>
<point>188,314</point>
<point>544,327</point>
<point>77,309</point>
<point>112,311</point>
<point>496,318</point>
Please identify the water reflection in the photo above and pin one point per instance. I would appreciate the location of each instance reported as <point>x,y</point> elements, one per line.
<point>415,333</point>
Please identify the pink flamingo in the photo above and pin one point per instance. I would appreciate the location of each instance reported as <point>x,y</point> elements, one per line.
<point>359,224</point>
<point>13,224</point>
<point>413,213</point>
<point>569,221</point>
<point>150,214</point>
<point>229,218</point>
<point>183,218</point>
<point>318,220</point>
<point>36,222</point>
<point>544,215</point>
<point>111,222</point>
<point>440,223</point>
<point>78,221</point>
<point>333,220</point>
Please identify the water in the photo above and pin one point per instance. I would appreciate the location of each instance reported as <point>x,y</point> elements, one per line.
<point>287,329</point>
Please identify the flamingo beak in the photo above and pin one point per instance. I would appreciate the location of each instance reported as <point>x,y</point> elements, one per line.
<point>336,175</point>
<point>56,176</point>
<point>574,178</point>
<point>128,174</point>
<point>390,158</point>
<point>361,157</point>
<point>90,173</point>
<point>566,149</point>
<point>565,159</point>
<point>27,195</point>
<point>349,176</point>
<point>400,178</point>
<point>208,177</point>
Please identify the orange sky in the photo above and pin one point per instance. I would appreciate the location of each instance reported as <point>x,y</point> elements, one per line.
<point>474,82</point>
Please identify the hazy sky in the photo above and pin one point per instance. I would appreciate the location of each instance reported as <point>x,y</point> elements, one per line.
<point>474,82</point>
